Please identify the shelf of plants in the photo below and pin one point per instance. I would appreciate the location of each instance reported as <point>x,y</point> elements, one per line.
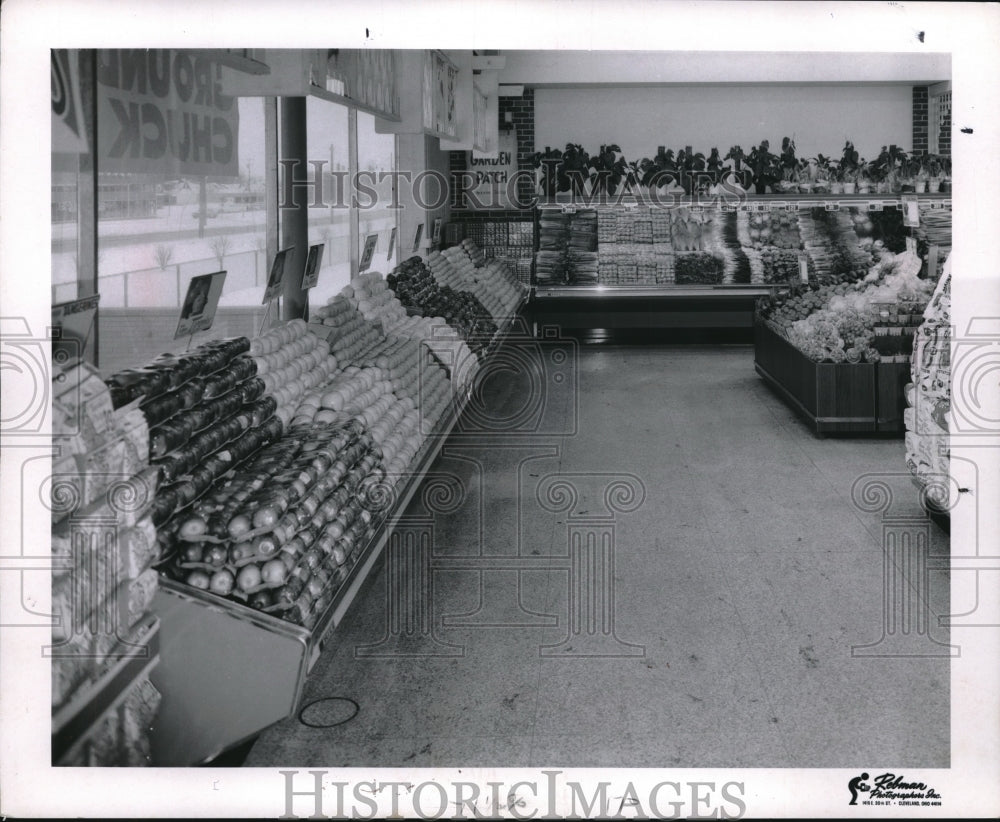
<point>837,347</point>
<point>689,219</point>
<point>261,478</point>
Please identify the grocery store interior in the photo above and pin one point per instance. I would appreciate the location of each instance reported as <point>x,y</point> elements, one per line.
<point>501,408</point>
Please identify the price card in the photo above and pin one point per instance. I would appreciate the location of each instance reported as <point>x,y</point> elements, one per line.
<point>874,205</point>
<point>911,245</point>
<point>416,237</point>
<point>311,275</point>
<point>72,324</point>
<point>371,241</point>
<point>911,210</point>
<point>761,206</point>
<point>436,237</point>
<point>200,303</point>
<point>803,268</point>
<point>832,206</point>
<point>392,243</point>
<point>791,207</point>
<point>277,275</point>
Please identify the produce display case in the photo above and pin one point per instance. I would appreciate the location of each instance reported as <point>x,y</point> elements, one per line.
<point>837,347</point>
<point>273,470</point>
<point>265,658</point>
<point>832,397</point>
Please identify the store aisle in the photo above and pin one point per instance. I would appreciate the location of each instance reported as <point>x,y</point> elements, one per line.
<point>743,576</point>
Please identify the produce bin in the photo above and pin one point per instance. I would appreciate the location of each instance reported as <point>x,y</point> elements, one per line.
<point>832,397</point>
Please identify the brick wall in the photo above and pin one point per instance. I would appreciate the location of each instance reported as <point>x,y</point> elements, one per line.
<point>522,111</point>
<point>920,115</point>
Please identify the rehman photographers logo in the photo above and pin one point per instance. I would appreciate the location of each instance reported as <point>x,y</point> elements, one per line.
<point>890,789</point>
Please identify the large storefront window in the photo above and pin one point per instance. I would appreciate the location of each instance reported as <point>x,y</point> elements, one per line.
<point>328,150</point>
<point>376,159</point>
<point>158,227</point>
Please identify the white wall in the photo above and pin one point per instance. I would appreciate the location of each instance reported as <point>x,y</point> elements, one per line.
<point>573,67</point>
<point>819,117</point>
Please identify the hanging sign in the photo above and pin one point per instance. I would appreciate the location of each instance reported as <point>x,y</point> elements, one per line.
<point>491,174</point>
<point>162,111</point>
<point>200,304</point>
<point>417,235</point>
<point>371,241</point>
<point>277,275</point>
<point>392,243</point>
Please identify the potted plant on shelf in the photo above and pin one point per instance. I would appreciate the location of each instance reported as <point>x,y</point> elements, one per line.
<point>609,170</point>
<point>741,175</point>
<point>790,180</point>
<point>661,171</point>
<point>550,161</point>
<point>888,167</point>
<point>821,173</point>
<point>836,177</point>
<point>689,164</point>
<point>849,164</point>
<point>765,166</point>
<point>865,181</point>
<point>574,171</point>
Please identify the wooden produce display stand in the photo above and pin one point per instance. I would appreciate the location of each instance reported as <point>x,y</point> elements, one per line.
<point>832,397</point>
<point>227,671</point>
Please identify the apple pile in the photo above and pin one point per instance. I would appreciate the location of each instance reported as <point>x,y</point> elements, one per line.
<point>417,289</point>
<point>371,296</point>
<point>281,533</point>
<point>347,332</point>
<point>291,361</point>
<point>493,285</point>
<point>474,252</point>
<point>207,410</point>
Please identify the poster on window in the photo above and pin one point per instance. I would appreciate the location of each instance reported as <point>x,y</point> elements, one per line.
<point>200,304</point>
<point>276,276</point>
<point>162,111</point>
<point>311,275</point>
<point>371,243</point>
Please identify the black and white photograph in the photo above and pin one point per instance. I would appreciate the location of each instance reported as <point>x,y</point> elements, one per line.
<point>658,479</point>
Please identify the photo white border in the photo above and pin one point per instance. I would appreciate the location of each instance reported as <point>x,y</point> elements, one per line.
<point>970,32</point>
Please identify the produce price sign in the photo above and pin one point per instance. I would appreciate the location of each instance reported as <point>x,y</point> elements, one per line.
<point>200,304</point>
<point>311,275</point>
<point>392,243</point>
<point>366,257</point>
<point>72,323</point>
<point>911,210</point>
<point>277,275</point>
<point>803,268</point>
<point>417,235</point>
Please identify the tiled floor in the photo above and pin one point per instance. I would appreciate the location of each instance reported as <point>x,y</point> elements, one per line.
<point>743,577</point>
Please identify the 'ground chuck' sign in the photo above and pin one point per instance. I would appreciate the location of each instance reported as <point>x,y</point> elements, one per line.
<point>162,111</point>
